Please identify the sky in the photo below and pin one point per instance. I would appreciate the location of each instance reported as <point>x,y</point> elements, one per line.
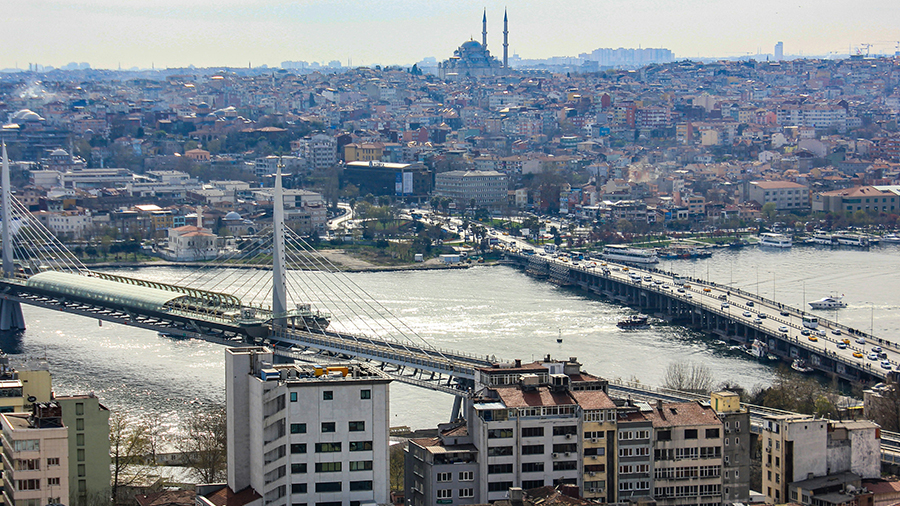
<point>238,33</point>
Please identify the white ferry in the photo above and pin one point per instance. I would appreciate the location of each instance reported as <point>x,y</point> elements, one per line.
<point>775,240</point>
<point>859,241</point>
<point>618,253</point>
<point>823,238</point>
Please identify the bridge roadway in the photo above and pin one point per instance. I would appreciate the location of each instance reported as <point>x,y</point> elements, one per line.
<point>757,316</point>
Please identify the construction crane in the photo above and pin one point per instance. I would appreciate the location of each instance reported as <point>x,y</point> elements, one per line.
<point>867,46</point>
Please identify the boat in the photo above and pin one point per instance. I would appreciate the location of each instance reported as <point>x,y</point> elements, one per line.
<point>619,253</point>
<point>758,349</point>
<point>633,322</point>
<point>823,238</point>
<point>891,239</point>
<point>775,240</point>
<point>830,302</point>
<point>684,252</point>
<point>800,366</point>
<point>856,240</point>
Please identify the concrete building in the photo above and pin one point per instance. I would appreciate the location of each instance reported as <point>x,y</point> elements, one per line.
<point>37,452</point>
<point>801,447</point>
<point>190,243</point>
<point>861,198</point>
<point>87,422</point>
<point>306,434</point>
<point>598,428</point>
<point>786,195</point>
<point>488,189</point>
<point>736,450</point>
<point>442,468</point>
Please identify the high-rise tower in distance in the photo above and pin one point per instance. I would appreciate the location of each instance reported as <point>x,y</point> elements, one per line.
<point>779,51</point>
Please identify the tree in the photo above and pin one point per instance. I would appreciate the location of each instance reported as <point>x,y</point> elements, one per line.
<point>688,377</point>
<point>204,444</point>
<point>129,445</point>
<point>768,210</point>
<point>395,470</point>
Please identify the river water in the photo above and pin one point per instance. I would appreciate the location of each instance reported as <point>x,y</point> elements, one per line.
<point>483,310</point>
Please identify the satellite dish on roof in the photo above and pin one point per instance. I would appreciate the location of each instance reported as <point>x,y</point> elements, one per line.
<point>32,398</point>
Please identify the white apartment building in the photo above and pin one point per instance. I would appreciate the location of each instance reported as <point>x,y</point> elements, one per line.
<point>488,189</point>
<point>36,454</point>
<point>306,434</point>
<point>786,195</point>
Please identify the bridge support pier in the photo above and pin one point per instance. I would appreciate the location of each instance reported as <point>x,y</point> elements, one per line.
<point>11,315</point>
<point>456,411</point>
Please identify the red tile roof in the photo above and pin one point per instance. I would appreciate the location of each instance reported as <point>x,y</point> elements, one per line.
<point>593,399</point>
<point>681,414</point>
<point>542,396</point>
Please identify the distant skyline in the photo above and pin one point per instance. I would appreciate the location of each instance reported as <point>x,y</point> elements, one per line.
<point>235,33</point>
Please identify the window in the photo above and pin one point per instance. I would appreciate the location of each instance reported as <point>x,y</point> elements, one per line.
<point>81,471</point>
<point>328,486</point>
<point>499,451</point>
<point>499,433</point>
<point>328,395</point>
<point>564,430</point>
<point>500,468</point>
<point>79,439</point>
<point>532,467</point>
<point>27,445</point>
<point>80,455</point>
<point>53,482</point>
<point>357,426</point>
<point>298,448</point>
<point>533,450</point>
<point>328,447</point>
<point>365,394</point>
<point>328,427</point>
<point>360,446</point>
<point>293,396</point>
<point>567,465</point>
<point>445,494</point>
<point>298,428</point>
<point>79,408</point>
<point>298,488</point>
<point>28,484</point>
<point>690,433</point>
<point>79,424</point>
<point>466,493</point>
<point>361,465</point>
<point>499,486</point>
<point>328,467</point>
<point>664,435</point>
<point>529,484</point>
<point>532,431</point>
<point>466,476</point>
<point>298,468</point>
<point>361,485</point>
<point>712,433</point>
<point>444,477</point>
<point>53,461</point>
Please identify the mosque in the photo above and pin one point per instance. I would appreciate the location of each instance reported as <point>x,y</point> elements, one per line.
<point>474,60</point>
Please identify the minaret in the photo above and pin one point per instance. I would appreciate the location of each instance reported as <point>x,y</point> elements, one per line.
<point>505,41</point>
<point>484,30</point>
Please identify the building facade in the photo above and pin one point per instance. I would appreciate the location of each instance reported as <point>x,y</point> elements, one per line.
<point>35,446</point>
<point>306,434</point>
<point>87,422</point>
<point>786,195</point>
<point>488,189</point>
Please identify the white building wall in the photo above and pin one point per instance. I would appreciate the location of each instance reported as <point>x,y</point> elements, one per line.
<point>809,438</point>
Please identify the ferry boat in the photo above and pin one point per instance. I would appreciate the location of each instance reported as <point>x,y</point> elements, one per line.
<point>859,241</point>
<point>891,238</point>
<point>823,238</point>
<point>800,366</point>
<point>775,240</point>
<point>618,253</point>
<point>633,322</point>
<point>830,302</point>
<point>684,252</point>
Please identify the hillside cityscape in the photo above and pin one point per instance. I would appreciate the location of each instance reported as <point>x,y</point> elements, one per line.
<point>583,172</point>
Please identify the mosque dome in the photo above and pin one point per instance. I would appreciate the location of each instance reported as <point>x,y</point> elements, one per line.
<point>232,216</point>
<point>26,115</point>
<point>59,152</point>
<point>472,45</point>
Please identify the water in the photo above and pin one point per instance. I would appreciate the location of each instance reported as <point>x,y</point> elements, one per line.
<point>484,310</point>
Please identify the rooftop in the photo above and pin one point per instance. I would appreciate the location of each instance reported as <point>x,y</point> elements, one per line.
<point>670,414</point>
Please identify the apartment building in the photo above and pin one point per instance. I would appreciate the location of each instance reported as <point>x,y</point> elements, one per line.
<point>786,195</point>
<point>687,447</point>
<point>442,470</point>
<point>736,450</point>
<point>634,478</point>
<point>87,423</point>
<point>598,429</point>
<point>800,448</point>
<point>35,448</point>
<point>486,188</point>
<point>306,434</point>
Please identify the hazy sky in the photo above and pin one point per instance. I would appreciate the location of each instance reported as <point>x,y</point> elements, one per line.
<point>170,33</point>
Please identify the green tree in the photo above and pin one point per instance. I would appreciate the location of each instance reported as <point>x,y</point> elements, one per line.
<point>395,471</point>
<point>204,444</point>
<point>129,445</point>
<point>768,210</point>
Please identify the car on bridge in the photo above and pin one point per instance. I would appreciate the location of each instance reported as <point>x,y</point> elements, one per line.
<point>763,316</point>
<point>748,314</point>
<point>842,346</point>
<point>724,305</point>
<point>783,328</point>
<point>860,340</point>
<point>757,321</point>
<point>749,303</point>
<point>876,349</point>
<point>785,313</point>
<point>813,338</point>
<point>886,364</point>
<point>873,356</point>
<point>857,354</point>
<point>805,332</point>
<point>836,332</point>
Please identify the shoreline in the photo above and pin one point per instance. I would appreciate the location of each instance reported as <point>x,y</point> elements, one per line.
<point>357,268</point>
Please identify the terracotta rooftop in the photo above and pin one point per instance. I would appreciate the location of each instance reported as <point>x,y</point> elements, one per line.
<point>681,414</point>
<point>542,396</point>
<point>593,399</point>
<point>225,497</point>
<point>774,185</point>
<point>168,498</point>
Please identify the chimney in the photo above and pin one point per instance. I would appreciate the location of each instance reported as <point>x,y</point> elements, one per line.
<point>659,404</point>
<point>518,362</point>
<point>516,496</point>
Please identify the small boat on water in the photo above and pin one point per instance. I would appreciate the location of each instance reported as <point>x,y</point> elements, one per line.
<point>801,366</point>
<point>830,302</point>
<point>633,322</point>
<point>775,240</point>
<point>891,238</point>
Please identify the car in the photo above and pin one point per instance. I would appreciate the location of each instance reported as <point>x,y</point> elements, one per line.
<point>666,287</point>
<point>882,355</point>
<point>845,341</point>
<point>723,297</point>
<point>749,303</point>
<point>783,328</point>
<point>687,296</point>
<point>876,349</point>
<point>805,332</point>
<point>857,354</point>
<point>748,314</point>
<point>757,321</point>
<point>762,315</point>
<point>657,282</point>
<point>873,356</point>
<point>842,346</point>
<point>707,290</point>
<point>648,278</point>
<point>813,338</point>
<point>860,340</point>
<point>681,290</point>
<point>886,364</point>
<point>836,332</point>
<point>785,313</point>
<point>821,333</point>
<point>724,305</point>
